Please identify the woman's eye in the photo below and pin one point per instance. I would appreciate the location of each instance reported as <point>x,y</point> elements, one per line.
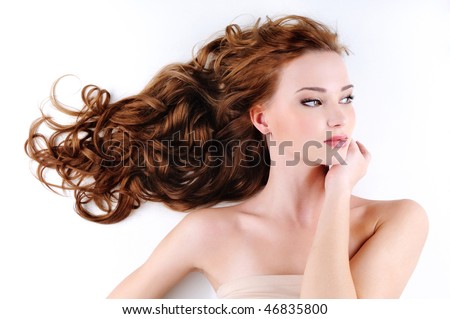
<point>347,99</point>
<point>311,102</point>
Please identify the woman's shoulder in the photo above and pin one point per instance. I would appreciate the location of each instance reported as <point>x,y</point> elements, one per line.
<point>212,222</point>
<point>210,233</point>
<point>396,211</point>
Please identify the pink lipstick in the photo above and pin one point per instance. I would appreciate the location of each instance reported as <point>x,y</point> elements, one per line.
<point>337,141</point>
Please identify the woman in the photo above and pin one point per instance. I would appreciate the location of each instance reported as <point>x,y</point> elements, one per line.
<point>262,115</point>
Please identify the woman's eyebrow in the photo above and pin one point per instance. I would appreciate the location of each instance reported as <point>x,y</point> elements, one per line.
<point>318,89</point>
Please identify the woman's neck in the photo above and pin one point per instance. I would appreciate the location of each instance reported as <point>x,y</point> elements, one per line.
<point>294,193</point>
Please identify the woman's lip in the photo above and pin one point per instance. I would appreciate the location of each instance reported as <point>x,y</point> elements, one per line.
<point>337,138</point>
<point>337,141</point>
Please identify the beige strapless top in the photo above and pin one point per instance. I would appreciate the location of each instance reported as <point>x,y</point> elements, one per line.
<point>262,287</point>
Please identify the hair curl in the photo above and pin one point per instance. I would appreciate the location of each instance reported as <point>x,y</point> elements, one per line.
<point>187,139</point>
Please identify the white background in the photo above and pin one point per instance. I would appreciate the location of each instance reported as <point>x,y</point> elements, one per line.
<point>400,67</point>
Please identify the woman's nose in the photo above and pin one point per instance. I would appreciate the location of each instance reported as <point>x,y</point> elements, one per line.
<point>336,116</point>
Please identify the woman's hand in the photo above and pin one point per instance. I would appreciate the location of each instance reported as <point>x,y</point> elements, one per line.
<point>345,176</point>
<point>327,272</point>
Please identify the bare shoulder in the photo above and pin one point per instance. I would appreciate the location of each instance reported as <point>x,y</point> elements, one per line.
<point>211,221</point>
<point>214,233</point>
<point>400,211</point>
<point>389,253</point>
<point>208,227</point>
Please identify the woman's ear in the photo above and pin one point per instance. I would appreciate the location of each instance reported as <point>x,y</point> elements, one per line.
<point>258,117</point>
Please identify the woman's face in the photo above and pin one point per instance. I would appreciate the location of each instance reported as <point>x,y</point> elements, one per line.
<point>310,118</point>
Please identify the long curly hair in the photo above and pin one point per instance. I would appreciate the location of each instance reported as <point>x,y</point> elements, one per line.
<point>187,139</point>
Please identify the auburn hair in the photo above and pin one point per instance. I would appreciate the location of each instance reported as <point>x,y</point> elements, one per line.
<point>186,139</point>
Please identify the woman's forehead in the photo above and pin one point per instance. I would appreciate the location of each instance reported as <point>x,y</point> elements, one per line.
<point>320,68</point>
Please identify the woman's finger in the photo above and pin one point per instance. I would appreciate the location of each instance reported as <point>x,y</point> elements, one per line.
<point>363,150</point>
